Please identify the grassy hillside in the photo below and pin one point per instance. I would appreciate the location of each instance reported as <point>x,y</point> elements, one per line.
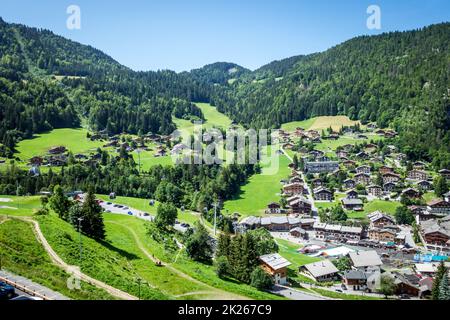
<point>73,139</point>
<point>23,255</point>
<point>19,206</point>
<point>320,123</point>
<point>259,191</point>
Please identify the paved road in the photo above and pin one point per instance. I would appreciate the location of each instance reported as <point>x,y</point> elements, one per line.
<point>296,294</point>
<point>33,288</point>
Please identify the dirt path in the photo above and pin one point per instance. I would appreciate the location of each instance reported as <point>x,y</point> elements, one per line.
<point>69,269</point>
<point>220,294</point>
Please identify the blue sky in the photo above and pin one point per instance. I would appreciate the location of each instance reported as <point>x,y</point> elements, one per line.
<point>186,34</point>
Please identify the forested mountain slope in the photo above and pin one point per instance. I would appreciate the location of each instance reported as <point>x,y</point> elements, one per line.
<point>399,79</point>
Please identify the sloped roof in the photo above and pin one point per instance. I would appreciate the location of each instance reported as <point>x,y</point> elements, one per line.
<point>365,258</point>
<point>275,261</point>
<point>321,268</point>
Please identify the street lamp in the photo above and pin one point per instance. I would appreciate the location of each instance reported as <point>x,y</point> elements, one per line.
<point>139,151</point>
<point>81,244</point>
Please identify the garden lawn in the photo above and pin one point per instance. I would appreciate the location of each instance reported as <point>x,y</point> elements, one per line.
<point>23,255</point>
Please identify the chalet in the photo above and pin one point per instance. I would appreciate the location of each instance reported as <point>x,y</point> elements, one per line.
<point>401,156</point>
<point>362,178</point>
<point>57,161</point>
<point>316,183</point>
<point>445,173</point>
<point>355,279</point>
<point>273,208</point>
<point>301,206</point>
<point>296,179</point>
<point>323,194</point>
<point>114,143</point>
<point>299,233</point>
<point>342,154</point>
<point>390,134</point>
<point>36,161</point>
<point>352,204</point>
<point>408,284</point>
<point>276,266</point>
<point>385,169</point>
<point>275,223</point>
<point>57,150</point>
<point>321,271</point>
<point>380,220</point>
<point>419,165</point>
<point>382,235</point>
<point>352,194</point>
<point>363,169</point>
<point>364,260</point>
<point>80,156</point>
<point>362,155</point>
<point>293,189</point>
<point>178,149</point>
<point>288,146</point>
<point>316,153</point>
<point>349,164</point>
<point>362,136</point>
<point>389,187</point>
<point>337,232</point>
<point>417,175</point>
<point>425,185</point>
<point>372,126</point>
<point>320,167</point>
<point>391,177</point>
<point>349,184</point>
<point>375,190</point>
<point>436,232</point>
<point>410,193</point>
<point>438,207</point>
<point>370,147</point>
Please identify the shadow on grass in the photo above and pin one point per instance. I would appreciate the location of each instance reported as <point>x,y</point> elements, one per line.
<point>123,253</point>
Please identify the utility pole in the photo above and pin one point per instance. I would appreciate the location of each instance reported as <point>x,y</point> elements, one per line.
<point>139,150</point>
<point>139,280</point>
<point>215,204</point>
<point>81,243</point>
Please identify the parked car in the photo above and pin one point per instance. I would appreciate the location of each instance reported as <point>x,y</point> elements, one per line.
<point>125,208</point>
<point>109,203</point>
<point>6,291</point>
<point>146,214</point>
<point>130,213</point>
<point>339,290</point>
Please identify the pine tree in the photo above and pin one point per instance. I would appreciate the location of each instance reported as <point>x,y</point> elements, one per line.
<point>440,272</point>
<point>444,289</point>
<point>223,245</point>
<point>60,203</point>
<point>91,213</point>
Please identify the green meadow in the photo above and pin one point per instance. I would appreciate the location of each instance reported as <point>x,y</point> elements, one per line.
<point>260,190</point>
<point>73,139</point>
<point>19,206</point>
<point>23,255</point>
<point>320,123</point>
